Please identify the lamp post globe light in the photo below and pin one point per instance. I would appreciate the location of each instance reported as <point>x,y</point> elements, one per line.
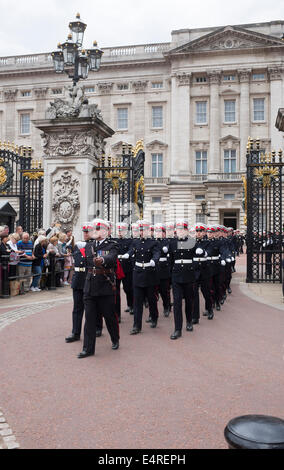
<point>71,56</point>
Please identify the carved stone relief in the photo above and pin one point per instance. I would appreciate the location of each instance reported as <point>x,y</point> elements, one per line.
<point>68,143</point>
<point>66,201</point>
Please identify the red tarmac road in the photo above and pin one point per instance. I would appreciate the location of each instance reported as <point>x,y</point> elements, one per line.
<point>151,393</point>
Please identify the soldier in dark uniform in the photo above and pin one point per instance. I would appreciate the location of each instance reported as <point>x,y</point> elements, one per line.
<point>146,253</point>
<point>182,251</point>
<point>78,282</point>
<point>202,274</point>
<point>163,268</point>
<point>124,243</point>
<point>99,289</point>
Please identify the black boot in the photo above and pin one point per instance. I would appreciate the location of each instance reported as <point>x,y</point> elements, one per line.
<point>189,327</point>
<point>72,338</point>
<point>210,315</point>
<point>218,307</point>
<point>176,334</point>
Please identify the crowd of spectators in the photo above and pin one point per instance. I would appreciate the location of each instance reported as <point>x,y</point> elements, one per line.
<point>29,257</point>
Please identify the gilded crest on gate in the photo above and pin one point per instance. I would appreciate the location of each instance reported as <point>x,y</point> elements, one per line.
<point>266,173</point>
<point>6,176</point>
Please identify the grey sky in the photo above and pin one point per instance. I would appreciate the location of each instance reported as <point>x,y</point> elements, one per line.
<point>35,26</point>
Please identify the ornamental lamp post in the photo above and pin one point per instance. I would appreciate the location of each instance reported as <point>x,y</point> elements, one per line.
<point>78,28</point>
<point>71,55</point>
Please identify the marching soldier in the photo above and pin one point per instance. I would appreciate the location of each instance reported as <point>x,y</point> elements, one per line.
<point>146,253</point>
<point>182,251</point>
<point>78,282</point>
<point>163,268</point>
<point>99,289</point>
<point>170,230</point>
<point>202,274</point>
<point>124,244</point>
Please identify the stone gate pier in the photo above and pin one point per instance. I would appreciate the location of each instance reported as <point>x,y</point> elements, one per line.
<point>73,139</point>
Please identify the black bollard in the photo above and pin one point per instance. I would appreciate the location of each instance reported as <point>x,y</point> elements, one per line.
<point>255,432</point>
<point>51,272</point>
<point>5,291</point>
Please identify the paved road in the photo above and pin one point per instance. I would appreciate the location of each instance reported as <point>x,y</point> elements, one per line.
<point>152,392</point>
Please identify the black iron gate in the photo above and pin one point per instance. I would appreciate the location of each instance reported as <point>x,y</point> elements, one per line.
<point>264,214</point>
<point>21,178</point>
<point>119,185</point>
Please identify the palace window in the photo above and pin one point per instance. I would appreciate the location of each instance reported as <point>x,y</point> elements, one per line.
<point>201,112</point>
<point>122,86</point>
<point>230,110</point>
<point>201,79</point>
<point>230,161</point>
<point>200,197</point>
<point>157,165</point>
<point>26,93</point>
<point>201,162</point>
<point>229,78</point>
<point>157,84</point>
<point>90,89</point>
<point>258,109</point>
<point>25,123</point>
<point>157,116</point>
<point>229,197</point>
<point>258,76</point>
<point>122,118</point>
<point>57,91</point>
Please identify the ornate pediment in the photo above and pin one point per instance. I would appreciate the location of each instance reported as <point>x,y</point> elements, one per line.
<point>227,38</point>
<point>229,137</point>
<point>156,144</point>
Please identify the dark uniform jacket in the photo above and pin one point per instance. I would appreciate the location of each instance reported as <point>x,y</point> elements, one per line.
<point>164,264</point>
<point>101,281</point>
<point>143,250</point>
<point>182,272</point>
<point>124,245</point>
<point>201,264</point>
<point>79,277</point>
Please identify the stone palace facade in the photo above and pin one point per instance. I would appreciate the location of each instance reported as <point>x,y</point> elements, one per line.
<point>194,101</point>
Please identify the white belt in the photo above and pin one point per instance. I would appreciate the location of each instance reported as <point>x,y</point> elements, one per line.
<point>214,258</point>
<point>183,261</point>
<point>143,265</point>
<point>200,259</point>
<point>80,269</point>
<point>163,259</point>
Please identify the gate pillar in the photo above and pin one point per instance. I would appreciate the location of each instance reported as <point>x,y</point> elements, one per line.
<point>73,139</point>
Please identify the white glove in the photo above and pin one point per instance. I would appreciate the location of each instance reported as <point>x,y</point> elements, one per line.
<point>228,260</point>
<point>205,254</point>
<point>199,251</point>
<point>232,259</point>
<point>223,262</point>
<point>264,244</point>
<point>152,263</point>
<point>165,249</point>
<point>126,256</point>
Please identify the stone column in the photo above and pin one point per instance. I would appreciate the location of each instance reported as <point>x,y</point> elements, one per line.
<point>214,152</point>
<point>180,126</point>
<point>276,101</point>
<point>245,114</point>
<point>10,129</point>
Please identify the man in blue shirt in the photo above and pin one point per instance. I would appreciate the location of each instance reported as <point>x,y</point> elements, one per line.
<point>25,265</point>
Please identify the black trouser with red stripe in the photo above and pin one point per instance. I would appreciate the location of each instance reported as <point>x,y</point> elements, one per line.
<point>215,288</point>
<point>140,294</point>
<point>164,290</point>
<point>78,311</point>
<point>128,288</point>
<point>95,308</point>
<point>204,284</point>
<point>180,291</point>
